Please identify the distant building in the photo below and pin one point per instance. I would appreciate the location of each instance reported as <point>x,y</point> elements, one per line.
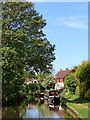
<point>35,81</point>
<point>60,76</point>
<point>32,80</point>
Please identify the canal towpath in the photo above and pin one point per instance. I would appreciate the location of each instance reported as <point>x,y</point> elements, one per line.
<point>78,104</point>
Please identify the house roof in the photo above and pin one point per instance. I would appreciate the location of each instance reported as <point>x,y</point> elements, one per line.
<point>63,73</point>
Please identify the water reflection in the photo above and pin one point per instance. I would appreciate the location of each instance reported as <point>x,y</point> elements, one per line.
<point>35,107</point>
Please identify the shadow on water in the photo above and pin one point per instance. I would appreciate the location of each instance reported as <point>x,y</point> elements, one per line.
<point>35,107</point>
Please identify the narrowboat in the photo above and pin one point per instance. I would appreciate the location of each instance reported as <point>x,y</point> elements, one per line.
<point>39,93</point>
<point>52,96</point>
<point>53,107</point>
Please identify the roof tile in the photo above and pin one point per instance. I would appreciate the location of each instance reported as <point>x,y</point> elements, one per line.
<point>63,73</point>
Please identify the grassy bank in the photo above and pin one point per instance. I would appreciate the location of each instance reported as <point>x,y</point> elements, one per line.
<point>82,112</point>
<point>76,99</point>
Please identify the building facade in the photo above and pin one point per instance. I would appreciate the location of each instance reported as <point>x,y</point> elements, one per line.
<point>60,77</point>
<point>31,80</point>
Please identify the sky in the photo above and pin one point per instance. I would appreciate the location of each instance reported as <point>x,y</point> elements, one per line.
<point>67,28</point>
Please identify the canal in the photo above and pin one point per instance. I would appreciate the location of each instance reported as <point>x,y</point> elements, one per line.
<point>35,107</point>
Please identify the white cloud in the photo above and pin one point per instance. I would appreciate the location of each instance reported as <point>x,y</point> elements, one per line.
<point>80,22</point>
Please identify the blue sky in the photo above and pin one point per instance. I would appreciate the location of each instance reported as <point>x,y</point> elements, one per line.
<point>67,28</point>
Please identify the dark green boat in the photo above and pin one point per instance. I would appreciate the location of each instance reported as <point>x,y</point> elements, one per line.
<point>52,96</point>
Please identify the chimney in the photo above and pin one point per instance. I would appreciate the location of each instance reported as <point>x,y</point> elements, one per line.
<point>60,69</point>
<point>67,69</point>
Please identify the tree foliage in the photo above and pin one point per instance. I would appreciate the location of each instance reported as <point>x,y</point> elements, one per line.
<point>71,82</point>
<point>83,74</point>
<point>75,67</point>
<point>47,80</point>
<point>24,45</point>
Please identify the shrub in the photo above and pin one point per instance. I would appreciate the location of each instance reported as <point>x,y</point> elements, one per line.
<point>77,91</point>
<point>83,74</point>
<point>87,94</point>
<point>71,82</point>
<point>59,90</point>
<point>82,89</point>
<point>32,87</point>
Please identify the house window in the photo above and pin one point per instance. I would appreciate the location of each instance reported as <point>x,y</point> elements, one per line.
<point>61,80</point>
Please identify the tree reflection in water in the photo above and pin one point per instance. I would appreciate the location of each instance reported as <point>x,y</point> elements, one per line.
<point>34,107</point>
<point>44,109</point>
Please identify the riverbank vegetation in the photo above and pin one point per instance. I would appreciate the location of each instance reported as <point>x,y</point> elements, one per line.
<point>75,98</point>
<point>24,48</point>
<point>77,89</point>
<point>78,82</point>
<point>81,111</point>
<point>71,83</point>
<point>83,74</point>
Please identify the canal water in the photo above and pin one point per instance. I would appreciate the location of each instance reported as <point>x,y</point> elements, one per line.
<point>35,107</point>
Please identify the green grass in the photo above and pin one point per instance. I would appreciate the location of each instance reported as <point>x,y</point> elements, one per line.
<point>76,99</point>
<point>82,112</point>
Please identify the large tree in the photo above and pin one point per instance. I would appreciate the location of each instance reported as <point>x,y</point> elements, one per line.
<point>24,45</point>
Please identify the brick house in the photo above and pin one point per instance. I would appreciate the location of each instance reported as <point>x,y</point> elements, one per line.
<point>60,76</point>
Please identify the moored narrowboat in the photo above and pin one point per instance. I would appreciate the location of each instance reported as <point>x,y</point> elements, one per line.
<point>39,93</point>
<point>53,107</point>
<point>52,96</point>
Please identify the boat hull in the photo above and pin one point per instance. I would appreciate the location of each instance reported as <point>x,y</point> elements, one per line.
<point>52,99</point>
<point>52,96</point>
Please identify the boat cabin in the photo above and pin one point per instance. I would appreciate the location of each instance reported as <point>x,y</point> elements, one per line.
<point>52,96</point>
<point>51,92</point>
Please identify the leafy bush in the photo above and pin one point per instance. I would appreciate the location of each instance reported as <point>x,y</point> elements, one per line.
<point>77,91</point>
<point>87,94</point>
<point>31,88</point>
<point>83,73</point>
<point>82,89</point>
<point>22,92</point>
<point>71,82</point>
<point>60,91</point>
